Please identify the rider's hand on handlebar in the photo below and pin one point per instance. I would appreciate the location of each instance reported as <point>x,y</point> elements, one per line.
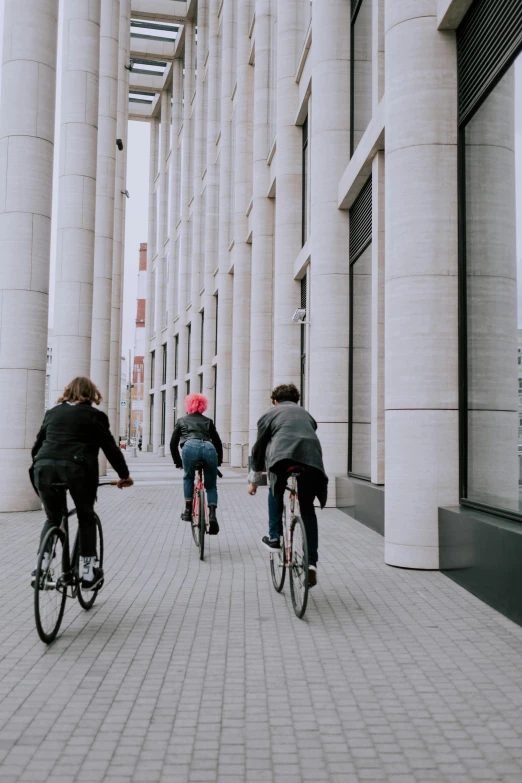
<point>121,483</point>
<point>252,489</point>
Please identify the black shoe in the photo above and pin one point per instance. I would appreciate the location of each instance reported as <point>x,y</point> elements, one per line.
<point>213,527</point>
<point>272,546</point>
<point>312,575</point>
<point>186,515</point>
<point>95,583</point>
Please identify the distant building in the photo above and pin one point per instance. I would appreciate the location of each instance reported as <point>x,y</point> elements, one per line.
<point>138,369</point>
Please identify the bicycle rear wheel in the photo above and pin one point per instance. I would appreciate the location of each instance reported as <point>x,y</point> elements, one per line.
<point>299,567</point>
<point>277,566</point>
<point>50,592</point>
<point>87,599</point>
<point>194,522</point>
<point>202,525</point>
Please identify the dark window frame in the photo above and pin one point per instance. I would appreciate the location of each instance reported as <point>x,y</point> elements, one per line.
<point>163,416</point>
<point>151,418</point>
<point>176,356</point>
<point>175,406</point>
<point>355,8</point>
<point>189,342</point>
<point>202,336</point>
<point>470,101</point>
<point>164,365</point>
<point>359,242</point>
<point>304,188</point>
<point>152,368</point>
<point>216,297</point>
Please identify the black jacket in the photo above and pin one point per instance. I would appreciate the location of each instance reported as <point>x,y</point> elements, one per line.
<point>288,432</point>
<point>194,425</point>
<point>76,433</point>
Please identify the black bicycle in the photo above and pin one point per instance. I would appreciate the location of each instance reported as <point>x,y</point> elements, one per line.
<point>293,552</point>
<point>57,572</point>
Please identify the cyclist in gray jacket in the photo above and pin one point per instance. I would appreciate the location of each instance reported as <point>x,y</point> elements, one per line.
<point>286,437</point>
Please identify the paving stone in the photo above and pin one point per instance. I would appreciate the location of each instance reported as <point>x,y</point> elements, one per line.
<point>198,672</point>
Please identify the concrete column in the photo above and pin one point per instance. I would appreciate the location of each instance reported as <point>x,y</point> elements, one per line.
<point>76,194</point>
<point>150,314</point>
<point>187,187</point>
<point>105,185</point>
<point>198,217</point>
<point>160,298</point>
<point>119,216</point>
<point>224,280</point>
<point>330,151</point>
<point>377,320</point>
<point>242,252</point>
<point>421,397</point>
<point>262,230</point>
<point>26,177</point>
<point>212,206</point>
<point>491,266</point>
<point>286,336</point>
<point>172,288</point>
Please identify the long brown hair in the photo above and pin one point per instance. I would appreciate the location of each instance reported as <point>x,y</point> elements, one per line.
<point>81,389</point>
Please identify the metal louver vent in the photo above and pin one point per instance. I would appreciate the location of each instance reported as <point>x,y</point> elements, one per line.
<point>304,291</point>
<point>361,222</point>
<point>488,39</point>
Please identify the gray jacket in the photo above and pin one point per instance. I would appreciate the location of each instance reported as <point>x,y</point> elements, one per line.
<point>288,432</point>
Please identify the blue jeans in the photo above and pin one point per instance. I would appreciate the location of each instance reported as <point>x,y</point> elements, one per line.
<point>306,494</point>
<point>195,451</point>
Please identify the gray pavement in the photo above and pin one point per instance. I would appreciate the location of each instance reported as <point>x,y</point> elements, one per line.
<point>190,671</point>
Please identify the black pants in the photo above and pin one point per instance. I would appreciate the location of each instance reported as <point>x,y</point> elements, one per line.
<point>306,491</point>
<point>49,472</point>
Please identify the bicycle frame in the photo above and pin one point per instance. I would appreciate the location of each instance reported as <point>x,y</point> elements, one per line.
<point>199,491</point>
<point>294,512</point>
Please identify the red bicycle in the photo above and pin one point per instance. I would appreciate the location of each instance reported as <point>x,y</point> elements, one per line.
<point>200,519</point>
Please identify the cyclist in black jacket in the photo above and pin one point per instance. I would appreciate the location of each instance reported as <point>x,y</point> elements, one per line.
<point>200,442</point>
<point>66,452</point>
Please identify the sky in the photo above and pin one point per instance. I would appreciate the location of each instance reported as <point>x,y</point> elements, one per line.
<point>136,227</point>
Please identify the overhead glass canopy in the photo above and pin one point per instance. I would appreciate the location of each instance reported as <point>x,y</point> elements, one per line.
<point>153,31</point>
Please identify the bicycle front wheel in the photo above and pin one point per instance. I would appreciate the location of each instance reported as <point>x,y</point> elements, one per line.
<point>277,566</point>
<point>299,567</point>
<point>50,590</point>
<point>202,526</point>
<point>87,599</point>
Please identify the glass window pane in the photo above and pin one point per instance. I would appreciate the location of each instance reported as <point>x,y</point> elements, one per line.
<point>493,180</point>
<point>362,364</point>
<point>362,71</point>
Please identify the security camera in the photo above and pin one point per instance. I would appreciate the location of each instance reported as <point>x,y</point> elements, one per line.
<point>125,193</point>
<point>119,144</point>
<point>130,66</point>
<point>299,316</point>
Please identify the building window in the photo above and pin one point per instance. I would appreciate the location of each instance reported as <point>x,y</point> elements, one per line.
<point>176,356</point>
<point>163,415</point>
<point>201,383</point>
<point>175,404</point>
<point>189,340</point>
<point>490,266</point>
<point>202,336</point>
<point>217,319</point>
<point>360,352</point>
<point>164,365</point>
<point>151,419</point>
<point>305,167</point>
<point>304,303</point>
<point>360,71</point>
<point>187,388</point>
<point>152,368</point>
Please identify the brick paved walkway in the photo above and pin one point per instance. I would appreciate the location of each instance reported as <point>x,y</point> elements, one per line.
<point>189,671</point>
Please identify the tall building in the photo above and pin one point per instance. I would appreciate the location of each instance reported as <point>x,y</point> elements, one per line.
<point>333,199</point>
<point>138,371</point>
